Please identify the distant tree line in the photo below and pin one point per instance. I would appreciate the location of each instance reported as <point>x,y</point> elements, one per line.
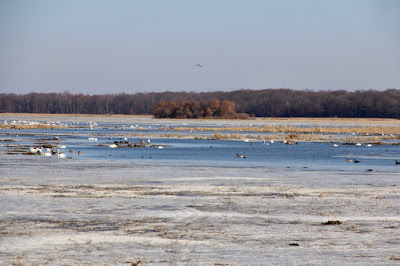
<point>195,109</point>
<point>266,103</point>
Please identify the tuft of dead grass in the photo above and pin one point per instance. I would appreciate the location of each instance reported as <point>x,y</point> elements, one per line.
<point>220,136</point>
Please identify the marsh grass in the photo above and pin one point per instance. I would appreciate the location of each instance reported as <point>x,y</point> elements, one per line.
<point>268,136</point>
<point>219,136</point>
<point>295,129</point>
<point>349,135</point>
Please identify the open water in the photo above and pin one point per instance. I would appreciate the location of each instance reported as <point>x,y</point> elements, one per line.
<point>92,140</point>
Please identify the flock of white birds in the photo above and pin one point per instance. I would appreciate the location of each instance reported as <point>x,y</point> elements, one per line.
<point>48,152</point>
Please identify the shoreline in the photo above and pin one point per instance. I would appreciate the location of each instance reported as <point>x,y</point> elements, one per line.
<point>333,120</point>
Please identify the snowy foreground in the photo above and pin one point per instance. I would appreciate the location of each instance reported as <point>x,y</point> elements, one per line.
<point>91,212</point>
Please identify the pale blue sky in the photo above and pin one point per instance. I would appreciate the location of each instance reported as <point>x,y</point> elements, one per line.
<point>104,46</point>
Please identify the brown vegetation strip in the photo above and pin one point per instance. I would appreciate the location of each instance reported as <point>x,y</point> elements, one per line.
<point>294,129</point>
<point>333,120</point>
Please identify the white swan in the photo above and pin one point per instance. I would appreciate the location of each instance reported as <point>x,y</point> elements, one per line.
<point>34,150</point>
<point>112,146</point>
<point>60,154</point>
<point>46,153</point>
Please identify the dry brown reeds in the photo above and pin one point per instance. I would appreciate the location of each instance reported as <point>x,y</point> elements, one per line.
<point>267,136</point>
<point>296,129</point>
<point>219,136</point>
<point>341,120</point>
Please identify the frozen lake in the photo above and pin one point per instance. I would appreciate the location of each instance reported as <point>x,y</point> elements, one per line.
<point>193,201</point>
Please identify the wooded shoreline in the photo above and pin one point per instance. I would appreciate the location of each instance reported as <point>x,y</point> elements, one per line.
<point>256,103</point>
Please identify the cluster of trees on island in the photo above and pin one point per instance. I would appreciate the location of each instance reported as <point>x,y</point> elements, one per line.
<point>262,103</point>
<point>195,109</point>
